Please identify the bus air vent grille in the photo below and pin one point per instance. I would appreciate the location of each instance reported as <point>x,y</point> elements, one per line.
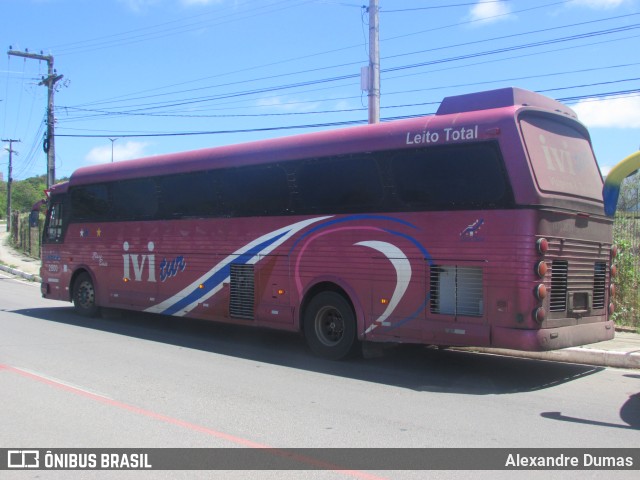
<point>599,282</point>
<point>559,283</point>
<point>241,301</point>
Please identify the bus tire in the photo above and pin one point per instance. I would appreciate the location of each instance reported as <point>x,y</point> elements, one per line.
<point>84,296</point>
<point>330,326</point>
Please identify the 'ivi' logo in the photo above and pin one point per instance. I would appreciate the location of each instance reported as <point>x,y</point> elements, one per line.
<point>137,261</point>
<point>23,459</point>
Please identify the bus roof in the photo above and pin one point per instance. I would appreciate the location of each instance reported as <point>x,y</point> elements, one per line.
<point>488,106</point>
<point>504,97</point>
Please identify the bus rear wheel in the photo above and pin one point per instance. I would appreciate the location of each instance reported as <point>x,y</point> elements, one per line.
<point>330,326</point>
<point>84,296</point>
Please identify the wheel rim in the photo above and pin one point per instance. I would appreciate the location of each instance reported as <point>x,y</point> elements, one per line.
<point>329,326</point>
<point>86,295</point>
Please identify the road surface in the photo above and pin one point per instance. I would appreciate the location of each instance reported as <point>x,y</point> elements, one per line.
<point>140,381</point>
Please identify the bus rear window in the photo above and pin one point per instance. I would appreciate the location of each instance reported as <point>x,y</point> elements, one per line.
<point>561,157</point>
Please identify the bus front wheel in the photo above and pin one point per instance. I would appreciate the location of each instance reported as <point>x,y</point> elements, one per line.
<point>330,326</point>
<point>84,296</point>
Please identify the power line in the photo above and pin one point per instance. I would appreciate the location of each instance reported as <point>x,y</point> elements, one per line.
<point>309,55</point>
<point>630,92</point>
<point>234,95</point>
<point>344,110</point>
<point>146,107</point>
<point>104,42</point>
<point>437,7</point>
<point>519,34</point>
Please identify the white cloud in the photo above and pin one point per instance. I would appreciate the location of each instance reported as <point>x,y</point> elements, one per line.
<point>125,150</point>
<point>487,11</point>
<point>605,169</point>
<point>615,112</point>
<point>189,3</point>
<point>139,5</point>
<point>598,4</point>
<point>287,104</point>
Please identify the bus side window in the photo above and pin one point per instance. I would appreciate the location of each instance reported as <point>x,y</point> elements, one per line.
<point>452,177</point>
<point>339,185</point>
<point>255,190</point>
<point>134,199</point>
<point>189,195</point>
<point>90,203</point>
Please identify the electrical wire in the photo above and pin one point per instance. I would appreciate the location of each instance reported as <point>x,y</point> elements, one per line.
<point>288,74</point>
<point>148,107</point>
<point>437,7</point>
<point>620,93</point>
<point>159,109</point>
<point>310,55</point>
<point>133,36</point>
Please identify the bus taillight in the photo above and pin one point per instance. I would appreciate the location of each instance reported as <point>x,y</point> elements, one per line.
<point>539,314</point>
<point>542,245</point>
<point>541,268</point>
<point>541,291</point>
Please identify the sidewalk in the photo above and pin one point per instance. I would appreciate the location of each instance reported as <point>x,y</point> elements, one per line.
<point>621,352</point>
<point>16,263</point>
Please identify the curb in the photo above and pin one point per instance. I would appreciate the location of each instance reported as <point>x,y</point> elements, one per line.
<point>27,276</point>
<point>587,356</point>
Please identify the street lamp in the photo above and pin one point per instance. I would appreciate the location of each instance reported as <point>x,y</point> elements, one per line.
<point>112,142</point>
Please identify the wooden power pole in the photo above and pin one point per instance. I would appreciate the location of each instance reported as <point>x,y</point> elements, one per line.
<point>9,179</point>
<point>50,81</point>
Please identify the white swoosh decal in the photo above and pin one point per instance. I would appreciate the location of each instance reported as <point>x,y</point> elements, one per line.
<point>403,273</point>
<point>191,296</point>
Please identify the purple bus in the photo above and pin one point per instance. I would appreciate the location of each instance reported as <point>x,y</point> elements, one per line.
<point>481,225</point>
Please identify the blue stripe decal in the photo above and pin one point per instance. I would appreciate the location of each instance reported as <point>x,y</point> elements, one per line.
<point>220,276</point>
<point>349,219</point>
<point>415,242</point>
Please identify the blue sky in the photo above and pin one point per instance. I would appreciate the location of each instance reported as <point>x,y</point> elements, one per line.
<point>254,69</point>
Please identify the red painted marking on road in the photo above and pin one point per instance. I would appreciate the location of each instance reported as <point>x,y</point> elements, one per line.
<point>187,425</point>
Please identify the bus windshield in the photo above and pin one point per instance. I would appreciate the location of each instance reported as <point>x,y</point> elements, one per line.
<point>561,157</point>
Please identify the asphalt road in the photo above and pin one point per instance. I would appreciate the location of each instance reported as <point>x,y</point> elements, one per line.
<point>139,380</point>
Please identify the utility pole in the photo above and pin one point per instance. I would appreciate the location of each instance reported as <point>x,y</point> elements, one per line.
<point>9,179</point>
<point>374,62</point>
<point>49,81</point>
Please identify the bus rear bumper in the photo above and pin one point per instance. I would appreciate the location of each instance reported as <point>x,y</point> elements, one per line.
<point>552,338</point>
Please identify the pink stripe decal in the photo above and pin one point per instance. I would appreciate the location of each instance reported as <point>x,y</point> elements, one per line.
<point>182,424</point>
<point>311,239</point>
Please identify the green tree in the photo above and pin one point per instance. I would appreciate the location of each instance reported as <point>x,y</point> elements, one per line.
<point>629,199</point>
<point>26,192</point>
